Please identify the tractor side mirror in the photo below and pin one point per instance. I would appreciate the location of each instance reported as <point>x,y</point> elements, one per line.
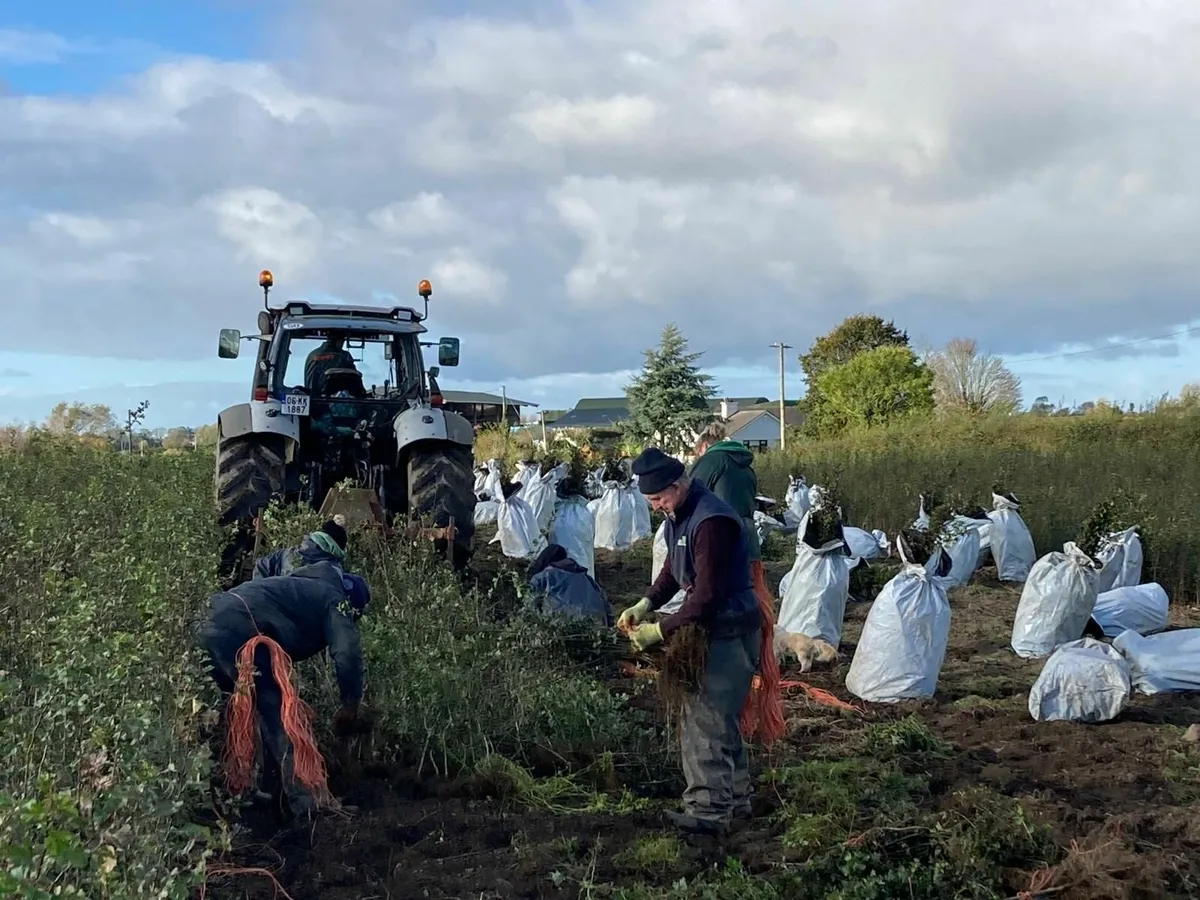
<point>448,348</point>
<point>230,343</point>
<point>389,351</point>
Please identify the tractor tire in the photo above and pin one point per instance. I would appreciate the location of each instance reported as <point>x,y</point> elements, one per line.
<point>250,471</point>
<point>441,486</point>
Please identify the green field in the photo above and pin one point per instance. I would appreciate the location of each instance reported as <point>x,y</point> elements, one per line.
<point>511,760</point>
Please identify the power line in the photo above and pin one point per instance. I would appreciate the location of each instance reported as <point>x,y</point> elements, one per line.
<point>1161,337</point>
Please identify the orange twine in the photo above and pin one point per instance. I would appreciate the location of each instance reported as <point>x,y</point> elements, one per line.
<point>308,767</point>
<point>762,714</point>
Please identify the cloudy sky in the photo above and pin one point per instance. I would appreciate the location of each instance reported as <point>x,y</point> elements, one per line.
<point>574,175</point>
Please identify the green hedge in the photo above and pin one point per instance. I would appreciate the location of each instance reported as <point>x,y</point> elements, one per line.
<point>1059,468</point>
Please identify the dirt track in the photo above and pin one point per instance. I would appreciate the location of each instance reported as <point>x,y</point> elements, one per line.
<point>1129,787</point>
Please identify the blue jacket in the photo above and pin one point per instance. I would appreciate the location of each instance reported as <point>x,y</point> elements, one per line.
<point>566,588</point>
<point>283,562</point>
<point>305,612</point>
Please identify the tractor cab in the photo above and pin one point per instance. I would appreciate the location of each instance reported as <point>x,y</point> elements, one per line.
<point>341,400</point>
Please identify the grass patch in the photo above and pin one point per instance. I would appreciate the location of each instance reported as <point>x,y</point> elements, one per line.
<point>906,737</point>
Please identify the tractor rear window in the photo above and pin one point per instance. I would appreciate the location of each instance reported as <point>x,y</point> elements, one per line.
<point>311,362</point>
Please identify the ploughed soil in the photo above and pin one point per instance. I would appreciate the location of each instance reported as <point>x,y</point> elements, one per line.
<point>1123,797</point>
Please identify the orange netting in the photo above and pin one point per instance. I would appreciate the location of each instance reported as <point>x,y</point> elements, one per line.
<point>762,715</point>
<point>819,695</point>
<point>308,767</point>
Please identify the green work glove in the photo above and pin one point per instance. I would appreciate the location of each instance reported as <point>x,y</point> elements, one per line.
<point>633,615</point>
<point>646,636</point>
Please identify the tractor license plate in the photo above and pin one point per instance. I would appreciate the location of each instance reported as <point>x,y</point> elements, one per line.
<point>296,404</point>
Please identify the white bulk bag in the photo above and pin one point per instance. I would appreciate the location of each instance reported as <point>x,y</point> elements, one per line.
<point>541,495</point>
<point>1140,607</point>
<point>656,566</point>
<point>1056,602</point>
<point>765,525</point>
<point>639,510</point>
<point>985,542</point>
<point>1165,662</point>
<point>962,535</point>
<point>526,474</point>
<point>517,531</point>
<point>614,519</point>
<point>796,501</point>
<point>481,475</point>
<point>491,484</point>
<point>574,529</point>
<point>1121,557</point>
<point>818,587</point>
<point>864,544</point>
<point>1083,681</point>
<point>903,644</point>
<point>486,512</point>
<point>1011,542</point>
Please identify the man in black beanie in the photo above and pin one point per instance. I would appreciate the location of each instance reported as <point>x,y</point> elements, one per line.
<point>708,556</point>
<point>326,544</point>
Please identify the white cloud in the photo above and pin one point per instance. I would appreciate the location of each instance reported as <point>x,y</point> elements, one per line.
<point>574,179</point>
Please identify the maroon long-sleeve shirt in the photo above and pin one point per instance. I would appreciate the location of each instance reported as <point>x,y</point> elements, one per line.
<point>710,543</point>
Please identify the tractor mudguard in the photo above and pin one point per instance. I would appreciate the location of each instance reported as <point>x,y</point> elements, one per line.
<point>429,424</point>
<point>235,421</point>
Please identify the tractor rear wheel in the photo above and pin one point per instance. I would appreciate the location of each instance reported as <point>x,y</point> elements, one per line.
<point>441,486</point>
<point>250,471</point>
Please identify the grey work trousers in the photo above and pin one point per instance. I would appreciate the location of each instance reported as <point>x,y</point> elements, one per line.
<point>715,763</point>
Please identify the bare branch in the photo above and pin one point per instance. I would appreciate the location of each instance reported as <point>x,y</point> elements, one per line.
<point>965,380</point>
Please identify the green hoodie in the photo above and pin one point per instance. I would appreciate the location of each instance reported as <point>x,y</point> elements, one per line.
<point>727,469</point>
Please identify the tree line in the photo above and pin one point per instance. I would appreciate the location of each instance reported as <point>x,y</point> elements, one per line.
<point>862,374</point>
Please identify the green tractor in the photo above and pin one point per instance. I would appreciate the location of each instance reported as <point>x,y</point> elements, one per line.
<point>314,432</point>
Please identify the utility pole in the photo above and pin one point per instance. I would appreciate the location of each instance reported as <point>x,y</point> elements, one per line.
<point>504,416</point>
<point>545,442</point>
<point>781,346</point>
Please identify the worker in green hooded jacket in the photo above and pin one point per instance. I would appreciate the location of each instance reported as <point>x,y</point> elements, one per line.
<point>727,469</point>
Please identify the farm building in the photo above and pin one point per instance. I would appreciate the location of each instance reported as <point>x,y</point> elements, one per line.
<point>484,409</point>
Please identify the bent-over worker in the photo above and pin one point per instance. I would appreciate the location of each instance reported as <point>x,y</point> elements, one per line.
<point>708,556</point>
<point>561,586</point>
<point>307,612</point>
<point>326,544</point>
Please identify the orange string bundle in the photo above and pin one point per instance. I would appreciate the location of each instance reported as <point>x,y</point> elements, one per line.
<point>308,767</point>
<point>762,715</point>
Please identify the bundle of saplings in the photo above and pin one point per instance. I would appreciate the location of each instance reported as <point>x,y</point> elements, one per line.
<point>825,520</point>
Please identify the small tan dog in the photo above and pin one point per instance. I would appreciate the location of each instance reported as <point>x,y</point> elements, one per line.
<point>808,651</point>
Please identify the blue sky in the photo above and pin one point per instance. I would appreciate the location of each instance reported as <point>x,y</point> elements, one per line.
<point>177,188</point>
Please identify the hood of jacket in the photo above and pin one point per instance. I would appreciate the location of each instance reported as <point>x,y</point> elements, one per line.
<point>737,453</point>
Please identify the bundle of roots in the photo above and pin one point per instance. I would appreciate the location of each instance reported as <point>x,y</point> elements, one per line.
<point>685,661</point>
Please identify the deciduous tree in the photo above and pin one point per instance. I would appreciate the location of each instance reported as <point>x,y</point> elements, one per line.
<point>94,420</point>
<point>967,381</point>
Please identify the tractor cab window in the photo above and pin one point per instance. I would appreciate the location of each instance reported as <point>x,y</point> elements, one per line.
<point>353,365</point>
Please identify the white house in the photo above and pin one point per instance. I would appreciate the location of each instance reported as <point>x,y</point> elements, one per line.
<point>758,426</point>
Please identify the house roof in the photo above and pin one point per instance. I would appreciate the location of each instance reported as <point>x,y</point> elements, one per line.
<point>600,417</point>
<point>741,419</point>
<point>792,414</point>
<point>603,403</point>
<point>482,399</point>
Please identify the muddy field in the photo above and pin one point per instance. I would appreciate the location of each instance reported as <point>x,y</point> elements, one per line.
<point>855,804</point>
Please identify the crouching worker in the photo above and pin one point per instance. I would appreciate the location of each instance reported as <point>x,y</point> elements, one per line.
<point>561,586</point>
<point>326,544</point>
<point>708,556</point>
<point>252,636</point>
